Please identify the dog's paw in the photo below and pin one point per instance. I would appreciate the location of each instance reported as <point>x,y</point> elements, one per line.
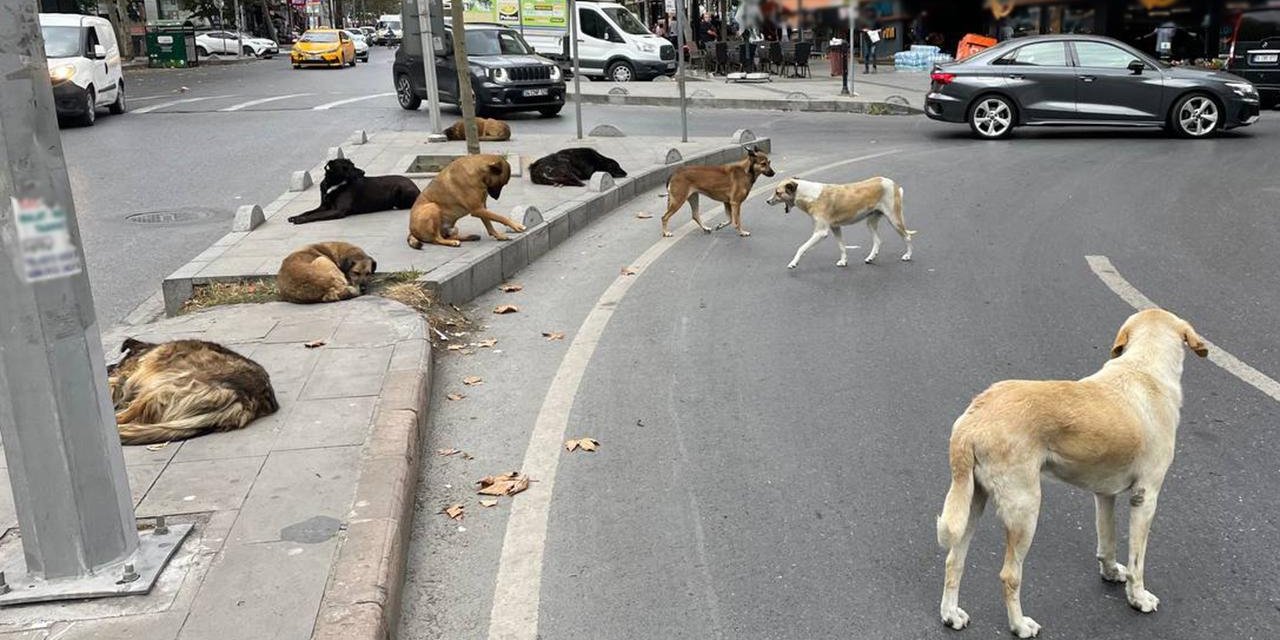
<point>295,219</point>
<point>842,263</point>
<point>517,227</point>
<point>791,266</point>
<point>722,225</point>
<point>906,257</point>
<point>1143,600</point>
<point>705,228</point>
<point>956,618</point>
<point>1114,573</point>
<point>1025,628</point>
<point>744,234</point>
<point>667,234</point>
<point>869,260</point>
<point>500,237</point>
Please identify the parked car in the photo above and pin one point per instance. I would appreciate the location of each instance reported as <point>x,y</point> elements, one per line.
<point>230,42</point>
<point>362,45</point>
<point>329,47</point>
<point>506,74</point>
<point>1085,80</point>
<point>368,34</point>
<point>613,45</point>
<point>84,66</point>
<point>1255,52</point>
<point>389,30</point>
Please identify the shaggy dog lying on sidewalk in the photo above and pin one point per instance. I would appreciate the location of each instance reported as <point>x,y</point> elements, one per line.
<point>186,388</point>
<point>573,167</point>
<point>487,129</point>
<point>346,191</point>
<point>324,272</point>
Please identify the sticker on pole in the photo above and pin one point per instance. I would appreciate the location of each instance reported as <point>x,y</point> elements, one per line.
<point>44,239</point>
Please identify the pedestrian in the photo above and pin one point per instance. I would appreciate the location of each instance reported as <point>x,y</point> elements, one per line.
<point>870,43</point>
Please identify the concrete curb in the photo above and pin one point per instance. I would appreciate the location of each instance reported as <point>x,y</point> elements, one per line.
<point>362,599</point>
<point>780,104</point>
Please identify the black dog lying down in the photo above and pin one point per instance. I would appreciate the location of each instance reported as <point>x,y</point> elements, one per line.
<point>346,191</point>
<point>572,167</point>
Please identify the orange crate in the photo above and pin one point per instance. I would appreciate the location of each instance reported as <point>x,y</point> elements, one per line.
<point>973,43</point>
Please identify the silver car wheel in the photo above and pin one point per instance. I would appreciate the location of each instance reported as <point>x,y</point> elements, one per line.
<point>992,118</point>
<point>1198,116</point>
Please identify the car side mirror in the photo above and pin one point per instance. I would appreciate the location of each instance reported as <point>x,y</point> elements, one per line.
<point>1137,67</point>
<point>99,52</point>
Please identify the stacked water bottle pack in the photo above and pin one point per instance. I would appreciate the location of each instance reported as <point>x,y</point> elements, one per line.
<point>921,57</point>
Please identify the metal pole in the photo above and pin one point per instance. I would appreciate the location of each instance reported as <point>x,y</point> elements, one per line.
<point>577,69</point>
<point>65,464</point>
<point>239,29</point>
<point>681,18</point>
<point>429,62</point>
<point>849,61</point>
<point>465,95</point>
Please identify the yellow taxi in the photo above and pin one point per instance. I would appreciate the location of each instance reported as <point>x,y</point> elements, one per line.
<point>329,47</point>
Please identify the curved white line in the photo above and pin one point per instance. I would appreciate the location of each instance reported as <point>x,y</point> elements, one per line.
<point>253,103</point>
<point>517,591</point>
<point>330,105</point>
<point>1106,272</point>
<point>171,103</point>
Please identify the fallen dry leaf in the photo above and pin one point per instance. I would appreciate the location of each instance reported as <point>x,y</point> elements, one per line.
<point>644,216</point>
<point>448,452</point>
<point>553,335</point>
<point>467,456</point>
<point>586,444</point>
<point>488,503</point>
<point>157,447</point>
<point>454,511</point>
<point>456,347</point>
<point>510,287</point>
<point>507,484</point>
<point>314,343</point>
<point>472,381</point>
<point>506,308</point>
<point>487,343</point>
<point>456,396</point>
<point>628,271</point>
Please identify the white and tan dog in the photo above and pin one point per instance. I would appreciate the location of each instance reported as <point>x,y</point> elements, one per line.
<point>1108,433</point>
<point>836,205</point>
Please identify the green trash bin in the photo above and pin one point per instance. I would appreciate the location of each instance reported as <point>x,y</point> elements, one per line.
<point>171,44</point>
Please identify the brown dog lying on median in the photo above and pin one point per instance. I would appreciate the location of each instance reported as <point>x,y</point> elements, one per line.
<point>487,129</point>
<point>729,183</point>
<point>324,272</point>
<point>461,189</point>
<point>186,388</point>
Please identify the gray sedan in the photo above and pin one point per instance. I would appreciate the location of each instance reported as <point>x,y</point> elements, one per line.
<point>1089,81</point>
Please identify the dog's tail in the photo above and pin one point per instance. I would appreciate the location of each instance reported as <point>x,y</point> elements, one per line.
<point>897,205</point>
<point>955,511</point>
<point>181,413</point>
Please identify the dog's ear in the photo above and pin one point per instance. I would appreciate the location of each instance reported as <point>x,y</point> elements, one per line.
<point>373,265</point>
<point>751,151</point>
<point>1122,341</point>
<point>1193,340</point>
<point>348,260</point>
<point>790,186</point>
<point>356,172</point>
<point>131,344</point>
<point>495,167</point>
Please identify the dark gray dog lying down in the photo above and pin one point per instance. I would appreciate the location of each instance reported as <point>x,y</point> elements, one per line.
<point>573,167</point>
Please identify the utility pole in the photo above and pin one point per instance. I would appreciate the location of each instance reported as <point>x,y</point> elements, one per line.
<point>572,35</point>
<point>681,20</point>
<point>465,95</point>
<point>428,38</point>
<point>239,32</point>
<point>849,60</point>
<point>65,464</point>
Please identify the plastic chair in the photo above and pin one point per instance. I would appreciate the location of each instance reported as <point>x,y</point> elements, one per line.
<point>775,56</point>
<point>721,50</point>
<point>802,58</point>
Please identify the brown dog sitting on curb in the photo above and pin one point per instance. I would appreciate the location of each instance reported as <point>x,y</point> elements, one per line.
<point>729,183</point>
<point>324,272</point>
<point>461,189</point>
<point>487,129</point>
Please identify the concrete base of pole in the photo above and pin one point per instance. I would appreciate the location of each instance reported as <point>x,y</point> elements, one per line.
<point>134,576</point>
<point>437,137</point>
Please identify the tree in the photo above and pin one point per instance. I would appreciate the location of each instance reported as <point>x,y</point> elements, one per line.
<point>122,21</point>
<point>207,9</point>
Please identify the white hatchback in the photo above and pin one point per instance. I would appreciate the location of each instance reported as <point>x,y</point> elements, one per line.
<point>84,65</point>
<point>230,43</point>
<point>362,44</point>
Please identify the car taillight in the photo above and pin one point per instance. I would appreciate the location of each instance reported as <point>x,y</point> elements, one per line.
<point>942,78</point>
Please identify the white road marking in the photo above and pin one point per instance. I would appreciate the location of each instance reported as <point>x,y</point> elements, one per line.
<point>253,103</point>
<point>517,590</point>
<point>1106,272</point>
<point>330,105</point>
<point>171,103</point>
<point>144,98</point>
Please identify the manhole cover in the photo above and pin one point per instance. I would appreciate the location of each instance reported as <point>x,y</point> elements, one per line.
<point>174,216</point>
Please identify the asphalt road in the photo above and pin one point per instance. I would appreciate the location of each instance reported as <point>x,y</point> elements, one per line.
<point>774,442</point>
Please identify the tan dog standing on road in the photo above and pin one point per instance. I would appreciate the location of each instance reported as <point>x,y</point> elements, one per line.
<point>462,188</point>
<point>324,272</point>
<point>487,130</point>
<point>836,205</point>
<point>1108,433</point>
<point>729,183</point>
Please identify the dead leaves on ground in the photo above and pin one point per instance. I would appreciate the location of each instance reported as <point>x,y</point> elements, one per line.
<point>486,343</point>
<point>489,503</point>
<point>553,335</point>
<point>586,444</point>
<point>454,511</point>
<point>629,271</point>
<point>506,484</point>
<point>504,309</point>
<point>510,287</point>
<point>472,381</point>
<point>644,216</point>
<point>454,397</point>
<point>314,344</point>
<point>453,452</point>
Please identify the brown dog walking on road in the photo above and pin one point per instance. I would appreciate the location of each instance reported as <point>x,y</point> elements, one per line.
<point>324,272</point>
<point>461,189</point>
<point>729,183</point>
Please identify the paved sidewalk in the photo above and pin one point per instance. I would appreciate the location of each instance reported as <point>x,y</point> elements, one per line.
<point>297,515</point>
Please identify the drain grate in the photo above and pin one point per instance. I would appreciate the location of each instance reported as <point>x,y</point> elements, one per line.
<point>184,215</point>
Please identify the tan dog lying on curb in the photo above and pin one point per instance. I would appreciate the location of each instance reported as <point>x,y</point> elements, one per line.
<point>729,183</point>
<point>462,188</point>
<point>182,389</point>
<point>836,205</point>
<point>487,129</point>
<point>324,272</point>
<point>1108,433</point>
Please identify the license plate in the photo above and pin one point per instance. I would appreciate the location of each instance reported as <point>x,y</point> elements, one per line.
<point>312,56</point>
<point>1266,58</point>
<point>530,93</point>
<point>670,66</point>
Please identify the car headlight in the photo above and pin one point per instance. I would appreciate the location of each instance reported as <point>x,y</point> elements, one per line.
<point>500,75</point>
<point>647,47</point>
<point>62,73</point>
<point>1243,89</point>
<point>555,73</point>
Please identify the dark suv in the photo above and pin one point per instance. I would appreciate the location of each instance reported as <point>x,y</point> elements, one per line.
<point>1255,52</point>
<point>506,74</point>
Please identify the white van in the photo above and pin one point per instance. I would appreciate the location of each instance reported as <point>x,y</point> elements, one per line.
<point>614,44</point>
<point>84,65</point>
<point>389,30</point>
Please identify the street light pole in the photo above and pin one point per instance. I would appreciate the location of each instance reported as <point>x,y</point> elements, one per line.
<point>849,60</point>
<point>65,464</point>
<point>465,95</point>
<point>577,69</point>
<point>681,19</point>
<point>428,38</point>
